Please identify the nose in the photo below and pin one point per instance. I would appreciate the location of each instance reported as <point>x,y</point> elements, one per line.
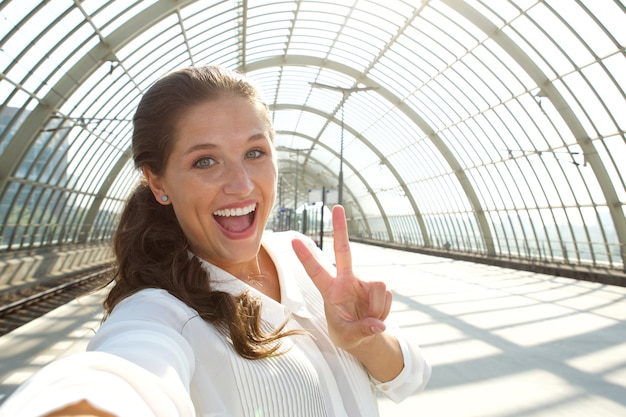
<point>238,181</point>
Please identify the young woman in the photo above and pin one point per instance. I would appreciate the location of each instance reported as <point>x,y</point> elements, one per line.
<point>208,315</point>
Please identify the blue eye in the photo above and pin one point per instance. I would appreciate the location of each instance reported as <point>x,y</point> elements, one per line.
<point>204,162</point>
<point>254,154</point>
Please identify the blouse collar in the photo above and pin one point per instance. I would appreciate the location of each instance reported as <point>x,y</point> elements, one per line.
<point>292,299</point>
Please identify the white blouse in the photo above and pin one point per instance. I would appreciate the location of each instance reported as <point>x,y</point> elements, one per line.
<point>155,357</point>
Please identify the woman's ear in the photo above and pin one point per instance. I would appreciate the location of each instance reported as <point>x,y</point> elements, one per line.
<point>156,185</point>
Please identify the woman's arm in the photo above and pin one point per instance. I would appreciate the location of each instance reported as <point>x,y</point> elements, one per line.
<point>381,355</point>
<point>139,366</point>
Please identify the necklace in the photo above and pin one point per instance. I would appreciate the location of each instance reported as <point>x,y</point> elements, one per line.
<point>255,279</point>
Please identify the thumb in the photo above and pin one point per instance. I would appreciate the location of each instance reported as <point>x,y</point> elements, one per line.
<point>371,326</point>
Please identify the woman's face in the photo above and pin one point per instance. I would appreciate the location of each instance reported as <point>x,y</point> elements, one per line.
<point>221,179</point>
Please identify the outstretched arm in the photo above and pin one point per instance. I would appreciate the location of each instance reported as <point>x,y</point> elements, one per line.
<point>355,309</point>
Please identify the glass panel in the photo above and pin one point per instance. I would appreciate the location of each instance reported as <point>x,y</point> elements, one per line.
<point>599,250</point>
<point>591,185</point>
<point>112,17</point>
<point>496,224</point>
<point>612,152</point>
<point>513,231</point>
<point>488,138</point>
<point>582,25</point>
<point>456,141</point>
<point>561,36</point>
<point>496,11</point>
<point>360,154</point>
<point>405,163</point>
<point>465,98</point>
<point>53,55</point>
<point>13,13</point>
<point>581,116</point>
<point>611,233</point>
<point>148,41</point>
<point>364,35</point>
<point>611,16</point>
<point>439,26</point>
<point>510,130</point>
<point>591,105</point>
<point>579,230</point>
<point>20,99</point>
<point>504,66</point>
<point>492,89</point>
<point>527,43</point>
<point>10,121</point>
<point>432,107</point>
<point>612,98</point>
<point>29,30</point>
<point>482,183</point>
<point>7,215</point>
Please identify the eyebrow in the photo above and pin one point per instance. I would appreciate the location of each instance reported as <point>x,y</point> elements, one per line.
<point>198,147</point>
<point>203,146</point>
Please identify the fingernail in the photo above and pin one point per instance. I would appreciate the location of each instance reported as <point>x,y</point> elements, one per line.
<point>376,330</point>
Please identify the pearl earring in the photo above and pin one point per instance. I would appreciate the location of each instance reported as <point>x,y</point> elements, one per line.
<point>164,198</point>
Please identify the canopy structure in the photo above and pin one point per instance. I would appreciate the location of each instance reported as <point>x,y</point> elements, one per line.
<point>493,128</point>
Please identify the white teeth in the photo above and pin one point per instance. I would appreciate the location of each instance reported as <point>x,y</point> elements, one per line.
<point>241,211</point>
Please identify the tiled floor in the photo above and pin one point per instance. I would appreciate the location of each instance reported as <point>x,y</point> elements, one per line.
<point>505,343</point>
<point>502,343</point>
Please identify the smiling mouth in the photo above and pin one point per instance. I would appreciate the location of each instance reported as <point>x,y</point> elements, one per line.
<point>236,220</point>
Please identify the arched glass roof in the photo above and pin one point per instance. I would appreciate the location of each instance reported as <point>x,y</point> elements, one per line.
<point>490,127</point>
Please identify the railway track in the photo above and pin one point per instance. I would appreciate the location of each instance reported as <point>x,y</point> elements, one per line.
<point>19,308</point>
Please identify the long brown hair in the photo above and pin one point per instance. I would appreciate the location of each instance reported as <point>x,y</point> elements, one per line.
<point>150,247</point>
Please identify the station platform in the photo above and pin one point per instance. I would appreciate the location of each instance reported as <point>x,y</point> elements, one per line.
<point>502,342</point>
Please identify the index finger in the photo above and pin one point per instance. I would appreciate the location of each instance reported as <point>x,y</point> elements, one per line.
<point>320,277</point>
<point>341,244</point>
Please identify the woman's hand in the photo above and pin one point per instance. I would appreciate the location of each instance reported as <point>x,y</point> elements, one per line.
<point>355,309</point>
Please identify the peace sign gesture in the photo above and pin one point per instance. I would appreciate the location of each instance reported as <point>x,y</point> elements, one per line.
<point>355,309</point>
